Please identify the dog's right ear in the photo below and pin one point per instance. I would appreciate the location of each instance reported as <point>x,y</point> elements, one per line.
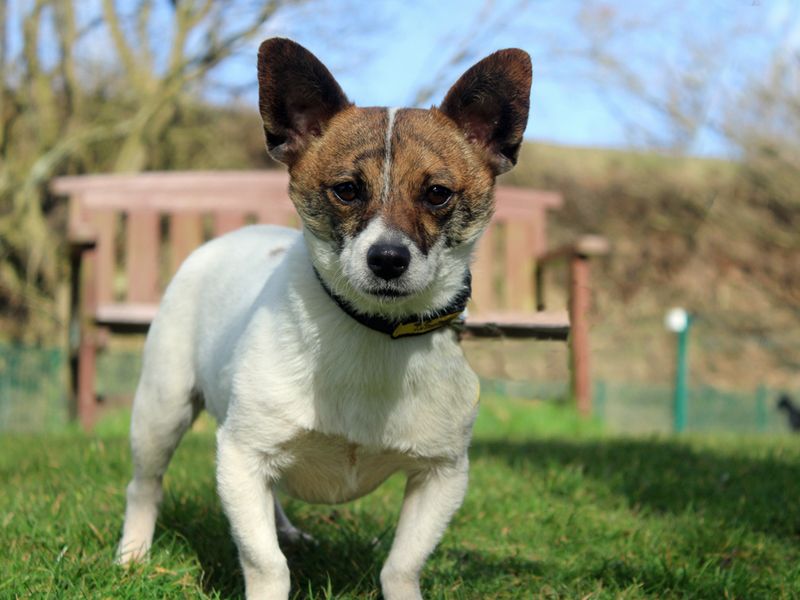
<point>297,96</point>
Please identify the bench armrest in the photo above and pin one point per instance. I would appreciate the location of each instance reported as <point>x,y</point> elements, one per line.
<point>584,247</point>
<point>79,244</point>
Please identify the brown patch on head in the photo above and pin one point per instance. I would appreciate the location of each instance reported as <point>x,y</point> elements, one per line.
<point>427,149</point>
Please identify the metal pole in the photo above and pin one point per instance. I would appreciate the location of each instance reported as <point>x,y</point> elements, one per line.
<point>681,378</point>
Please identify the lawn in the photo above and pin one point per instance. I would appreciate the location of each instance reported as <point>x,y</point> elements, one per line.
<point>555,509</point>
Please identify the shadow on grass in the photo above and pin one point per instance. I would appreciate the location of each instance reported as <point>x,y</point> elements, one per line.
<point>346,559</point>
<point>758,493</point>
<point>482,571</point>
<point>200,524</point>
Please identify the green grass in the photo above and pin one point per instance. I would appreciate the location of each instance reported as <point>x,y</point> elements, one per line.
<point>555,509</point>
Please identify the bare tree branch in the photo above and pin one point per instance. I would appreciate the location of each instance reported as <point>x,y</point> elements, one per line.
<point>67,38</point>
<point>136,77</point>
<point>3,37</point>
<point>214,53</point>
<point>3,75</point>
<point>143,14</point>
<point>42,94</point>
<point>119,121</point>
<point>463,51</point>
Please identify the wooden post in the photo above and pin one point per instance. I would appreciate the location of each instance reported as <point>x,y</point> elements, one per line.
<point>579,338</point>
<point>75,325</point>
<point>87,347</point>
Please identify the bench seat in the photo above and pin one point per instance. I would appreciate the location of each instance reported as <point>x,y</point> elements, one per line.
<point>126,314</point>
<point>541,325</point>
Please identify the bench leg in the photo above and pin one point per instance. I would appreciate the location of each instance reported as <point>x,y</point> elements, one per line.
<point>579,337</point>
<point>87,366</point>
<point>86,400</point>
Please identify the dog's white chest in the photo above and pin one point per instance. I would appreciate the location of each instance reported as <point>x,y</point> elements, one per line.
<point>331,469</point>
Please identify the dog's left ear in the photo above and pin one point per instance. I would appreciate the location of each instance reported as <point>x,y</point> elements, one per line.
<point>490,104</point>
<point>297,96</point>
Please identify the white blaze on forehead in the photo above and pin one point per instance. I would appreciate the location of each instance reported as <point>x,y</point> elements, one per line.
<point>387,159</point>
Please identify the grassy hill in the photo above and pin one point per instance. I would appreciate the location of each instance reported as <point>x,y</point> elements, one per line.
<point>705,234</point>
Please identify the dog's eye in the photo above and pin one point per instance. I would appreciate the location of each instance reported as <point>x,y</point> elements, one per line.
<point>347,192</point>
<point>438,195</point>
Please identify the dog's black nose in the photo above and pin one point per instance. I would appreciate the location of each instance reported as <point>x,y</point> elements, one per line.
<point>388,261</point>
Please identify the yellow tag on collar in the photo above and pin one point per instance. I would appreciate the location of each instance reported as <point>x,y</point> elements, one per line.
<point>416,327</point>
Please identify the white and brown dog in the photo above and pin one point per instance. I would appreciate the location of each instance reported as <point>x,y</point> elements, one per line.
<point>326,356</point>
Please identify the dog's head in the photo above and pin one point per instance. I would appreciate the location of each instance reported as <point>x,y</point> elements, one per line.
<point>392,200</point>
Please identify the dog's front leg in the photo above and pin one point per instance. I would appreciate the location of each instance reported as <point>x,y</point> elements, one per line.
<point>432,496</point>
<point>245,483</point>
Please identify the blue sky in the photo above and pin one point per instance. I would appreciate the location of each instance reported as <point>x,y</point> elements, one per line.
<point>383,53</point>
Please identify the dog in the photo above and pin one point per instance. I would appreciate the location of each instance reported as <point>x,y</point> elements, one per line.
<point>328,355</point>
<point>786,404</point>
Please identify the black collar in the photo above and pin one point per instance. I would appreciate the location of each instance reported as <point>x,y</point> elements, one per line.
<point>411,325</point>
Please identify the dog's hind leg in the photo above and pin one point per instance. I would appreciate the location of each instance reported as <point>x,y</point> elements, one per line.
<point>286,530</point>
<point>163,411</point>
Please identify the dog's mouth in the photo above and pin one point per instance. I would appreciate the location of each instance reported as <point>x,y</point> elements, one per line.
<point>387,293</point>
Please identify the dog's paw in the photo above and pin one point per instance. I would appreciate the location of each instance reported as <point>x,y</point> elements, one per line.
<point>129,553</point>
<point>399,585</point>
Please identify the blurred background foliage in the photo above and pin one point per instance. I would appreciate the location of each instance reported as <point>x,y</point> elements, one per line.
<point>139,109</point>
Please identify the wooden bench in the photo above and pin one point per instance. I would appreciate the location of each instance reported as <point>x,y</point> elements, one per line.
<point>129,233</point>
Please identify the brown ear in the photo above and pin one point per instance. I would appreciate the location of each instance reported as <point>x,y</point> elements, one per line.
<point>297,96</point>
<point>490,104</point>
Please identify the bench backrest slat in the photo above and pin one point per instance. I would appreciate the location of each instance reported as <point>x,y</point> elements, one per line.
<point>518,265</point>
<point>225,222</point>
<point>279,214</point>
<point>186,234</point>
<point>141,256</point>
<point>104,224</point>
<point>484,292</point>
<point>197,205</point>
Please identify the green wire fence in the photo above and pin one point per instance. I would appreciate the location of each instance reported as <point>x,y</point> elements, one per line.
<point>34,396</point>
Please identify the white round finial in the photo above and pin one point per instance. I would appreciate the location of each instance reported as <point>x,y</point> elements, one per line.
<point>676,320</point>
